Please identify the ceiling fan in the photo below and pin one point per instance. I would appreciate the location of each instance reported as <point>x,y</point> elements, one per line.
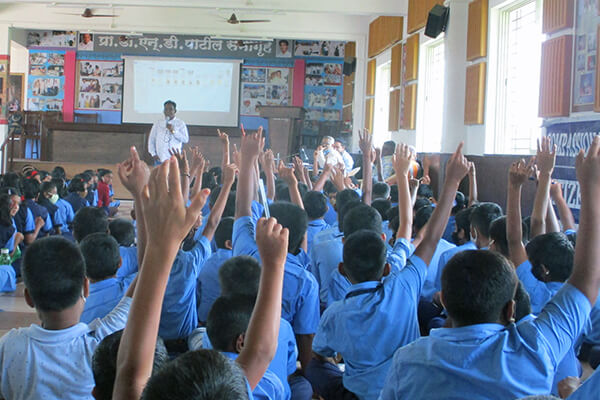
<point>89,13</point>
<point>233,20</point>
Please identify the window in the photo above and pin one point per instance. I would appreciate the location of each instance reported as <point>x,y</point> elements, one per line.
<point>431,107</point>
<point>513,123</point>
<point>382,103</point>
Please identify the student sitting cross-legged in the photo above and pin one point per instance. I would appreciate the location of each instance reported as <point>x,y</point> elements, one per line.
<point>485,355</point>
<point>199,372</point>
<point>53,360</point>
<point>378,314</point>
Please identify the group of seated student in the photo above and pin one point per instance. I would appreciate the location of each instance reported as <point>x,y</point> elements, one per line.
<point>333,292</point>
<point>36,204</point>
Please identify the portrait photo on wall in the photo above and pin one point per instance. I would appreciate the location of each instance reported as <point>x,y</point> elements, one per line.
<point>86,42</point>
<point>284,48</point>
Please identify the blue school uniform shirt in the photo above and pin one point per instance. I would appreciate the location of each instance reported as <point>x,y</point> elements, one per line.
<point>8,278</point>
<point>339,284</point>
<point>490,361</point>
<point>447,235</point>
<point>445,257</point>
<point>36,363</point>
<point>24,220</point>
<point>39,211</point>
<point>314,227</point>
<point>129,261</point>
<point>208,288</point>
<point>385,228</point>
<point>268,388</point>
<point>430,286</point>
<point>77,202</point>
<point>300,297</point>
<point>592,334</point>
<point>372,321</point>
<point>66,214</point>
<point>328,234</point>
<point>325,258</point>
<point>331,215</point>
<point>590,390</point>
<point>104,297</point>
<point>7,235</point>
<point>179,314</point>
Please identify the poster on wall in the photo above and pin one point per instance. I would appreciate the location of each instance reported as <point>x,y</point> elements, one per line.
<point>46,80</point>
<point>99,85</point>
<point>323,91</point>
<point>569,139</point>
<point>51,39</point>
<point>264,86</point>
<point>584,82</point>
<point>318,48</point>
<point>16,89</point>
<point>3,88</point>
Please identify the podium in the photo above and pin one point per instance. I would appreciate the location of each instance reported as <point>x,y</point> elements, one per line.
<point>285,124</point>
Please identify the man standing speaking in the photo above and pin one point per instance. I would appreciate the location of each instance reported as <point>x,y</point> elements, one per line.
<point>170,133</point>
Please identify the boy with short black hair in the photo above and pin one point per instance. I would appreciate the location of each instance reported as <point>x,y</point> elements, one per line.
<point>31,192</point>
<point>102,261</point>
<point>124,233</point>
<point>381,190</point>
<point>208,288</point>
<point>89,220</point>
<point>315,205</point>
<point>56,354</point>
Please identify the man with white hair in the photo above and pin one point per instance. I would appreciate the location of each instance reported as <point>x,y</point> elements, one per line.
<point>326,154</point>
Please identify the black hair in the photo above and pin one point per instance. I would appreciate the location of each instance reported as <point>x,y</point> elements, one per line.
<point>59,173</point>
<point>498,234</point>
<point>171,102</point>
<point>227,319</point>
<point>282,191</point>
<point>91,172</point>
<point>31,188</point>
<point>104,363</point>
<point>61,188</point>
<point>364,256</point>
<point>315,204</point>
<point>123,231</point>
<point>43,174</point>
<point>463,222</point>
<point>77,184</point>
<point>239,276</point>
<point>54,272</point>
<point>5,217</point>
<point>101,254</point>
<point>229,210</point>
<point>10,190</point>
<point>553,251</point>
<point>11,179</point>
<point>419,203</point>
<point>345,210</point>
<point>362,217</point>
<point>344,197</point>
<point>102,172</point>
<point>422,217</point>
<point>461,202</point>
<point>381,190</point>
<point>522,302</point>
<point>383,206</point>
<point>284,41</point>
<point>302,188</point>
<point>198,375</point>
<point>47,186</point>
<point>341,141</point>
<point>224,232</point>
<point>394,193</point>
<point>424,191</point>
<point>217,172</point>
<point>477,285</point>
<point>89,220</point>
<point>208,181</point>
<point>329,188</point>
<point>294,218</point>
<point>482,216</point>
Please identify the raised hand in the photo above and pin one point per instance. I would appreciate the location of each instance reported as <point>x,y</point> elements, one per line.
<point>182,160</point>
<point>252,144</point>
<point>287,174</point>
<point>229,172</point>
<point>272,242</point>
<point>298,165</point>
<point>546,155</point>
<point>236,155</point>
<point>402,159</point>
<point>223,137</point>
<point>365,141</point>
<point>520,171</point>
<point>133,173</point>
<point>268,160</point>
<point>457,166</point>
<point>162,198</point>
<point>198,161</point>
<point>472,171</point>
<point>555,190</point>
<point>377,155</point>
<point>337,177</point>
<point>588,170</point>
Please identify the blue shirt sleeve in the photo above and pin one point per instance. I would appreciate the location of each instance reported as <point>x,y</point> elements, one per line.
<point>307,316</point>
<point>200,252</point>
<point>48,225</point>
<point>538,292</point>
<point>29,222</point>
<point>412,277</point>
<point>243,237</point>
<point>321,343</point>
<point>562,320</point>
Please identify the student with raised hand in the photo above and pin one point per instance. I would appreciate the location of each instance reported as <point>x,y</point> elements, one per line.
<point>377,316</point>
<point>485,354</point>
<point>300,305</point>
<point>315,205</point>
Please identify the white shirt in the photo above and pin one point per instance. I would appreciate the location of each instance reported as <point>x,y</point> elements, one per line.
<point>161,140</point>
<point>36,363</point>
<point>332,157</point>
<point>348,161</point>
<point>89,46</point>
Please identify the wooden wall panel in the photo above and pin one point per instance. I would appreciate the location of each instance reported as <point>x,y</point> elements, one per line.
<point>475,94</point>
<point>555,79</point>
<point>350,50</point>
<point>371,69</point>
<point>597,94</point>
<point>396,68</point>
<point>394,118</point>
<point>369,110</point>
<point>409,109</point>
<point>383,33</point>
<point>558,14</point>
<point>418,11</point>
<point>477,30</point>
<point>411,55</point>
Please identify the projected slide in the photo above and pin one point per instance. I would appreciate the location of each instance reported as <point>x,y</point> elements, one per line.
<point>206,91</point>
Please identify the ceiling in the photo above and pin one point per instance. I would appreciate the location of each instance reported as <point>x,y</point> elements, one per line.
<point>294,19</point>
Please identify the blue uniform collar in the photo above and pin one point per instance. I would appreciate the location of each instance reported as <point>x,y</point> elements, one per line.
<point>317,222</point>
<point>467,333</point>
<point>102,284</point>
<point>363,288</point>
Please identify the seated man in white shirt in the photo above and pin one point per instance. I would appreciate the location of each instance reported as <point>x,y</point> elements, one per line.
<point>170,133</point>
<point>340,146</point>
<point>326,154</point>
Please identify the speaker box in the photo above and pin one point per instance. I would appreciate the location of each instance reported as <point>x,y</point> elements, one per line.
<point>437,21</point>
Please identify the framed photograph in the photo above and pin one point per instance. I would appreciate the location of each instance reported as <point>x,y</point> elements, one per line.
<point>16,90</point>
<point>99,85</point>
